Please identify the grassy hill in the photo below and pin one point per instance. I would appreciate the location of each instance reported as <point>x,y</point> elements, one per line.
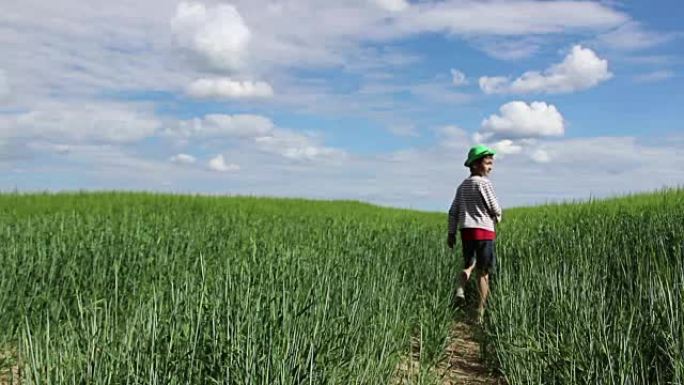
<point>114,288</point>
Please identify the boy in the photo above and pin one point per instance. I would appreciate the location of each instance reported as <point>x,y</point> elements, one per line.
<point>474,211</point>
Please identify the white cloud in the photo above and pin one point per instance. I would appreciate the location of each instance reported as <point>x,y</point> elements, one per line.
<point>255,132</point>
<point>581,69</point>
<point>458,78</point>
<point>568,169</point>
<point>518,120</point>
<point>540,156</point>
<point>219,164</point>
<point>403,129</point>
<point>375,61</point>
<point>632,36</point>
<point>627,166</point>
<point>62,149</point>
<point>438,92</point>
<point>4,85</point>
<point>296,146</point>
<point>222,125</point>
<point>216,34</point>
<point>655,76</point>
<point>453,137</point>
<point>66,49</point>
<point>392,5</point>
<point>511,18</point>
<point>506,147</point>
<point>183,159</point>
<point>505,48</point>
<point>342,28</point>
<point>88,123</point>
<point>493,84</point>
<point>229,88</point>
<point>617,154</point>
<point>63,48</point>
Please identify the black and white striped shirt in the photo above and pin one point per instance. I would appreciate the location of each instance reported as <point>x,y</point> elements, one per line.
<point>474,206</point>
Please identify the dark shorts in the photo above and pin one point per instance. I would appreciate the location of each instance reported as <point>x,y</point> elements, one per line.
<point>480,252</point>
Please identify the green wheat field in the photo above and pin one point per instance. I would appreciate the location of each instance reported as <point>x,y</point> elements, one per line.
<point>134,288</point>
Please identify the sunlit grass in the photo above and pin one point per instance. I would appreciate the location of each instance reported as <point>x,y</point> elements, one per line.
<point>137,288</point>
<point>118,288</point>
<point>592,293</point>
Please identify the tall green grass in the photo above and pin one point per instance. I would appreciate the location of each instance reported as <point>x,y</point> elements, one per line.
<point>117,288</point>
<point>592,293</point>
<point>148,289</point>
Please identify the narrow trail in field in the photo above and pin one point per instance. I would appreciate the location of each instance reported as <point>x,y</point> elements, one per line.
<point>460,364</point>
<point>9,369</point>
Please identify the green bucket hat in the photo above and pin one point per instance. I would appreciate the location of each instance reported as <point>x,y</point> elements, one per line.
<point>477,152</point>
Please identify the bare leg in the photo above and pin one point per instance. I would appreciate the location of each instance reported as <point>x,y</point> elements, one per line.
<point>459,295</point>
<point>465,275</point>
<point>484,292</point>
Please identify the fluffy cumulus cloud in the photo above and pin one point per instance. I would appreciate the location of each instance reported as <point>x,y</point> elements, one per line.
<point>458,78</point>
<point>89,123</point>
<point>518,128</point>
<point>519,120</point>
<point>218,163</point>
<point>227,88</point>
<point>507,146</point>
<point>221,125</point>
<point>581,69</point>
<point>532,149</point>
<point>183,159</point>
<point>217,34</point>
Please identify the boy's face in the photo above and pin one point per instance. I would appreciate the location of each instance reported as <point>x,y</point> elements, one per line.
<point>485,166</point>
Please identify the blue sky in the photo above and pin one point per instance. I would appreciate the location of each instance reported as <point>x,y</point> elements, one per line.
<point>376,100</point>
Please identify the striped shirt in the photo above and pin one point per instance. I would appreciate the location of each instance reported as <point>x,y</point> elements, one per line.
<point>474,206</point>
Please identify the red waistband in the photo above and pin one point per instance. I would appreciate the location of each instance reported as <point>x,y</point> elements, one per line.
<point>476,234</point>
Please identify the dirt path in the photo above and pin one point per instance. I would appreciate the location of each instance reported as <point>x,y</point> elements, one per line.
<point>461,363</point>
<point>9,369</point>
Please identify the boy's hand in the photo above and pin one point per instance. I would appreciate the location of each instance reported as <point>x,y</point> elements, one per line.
<point>451,240</point>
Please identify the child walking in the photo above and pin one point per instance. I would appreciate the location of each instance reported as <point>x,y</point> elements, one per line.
<point>474,212</point>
